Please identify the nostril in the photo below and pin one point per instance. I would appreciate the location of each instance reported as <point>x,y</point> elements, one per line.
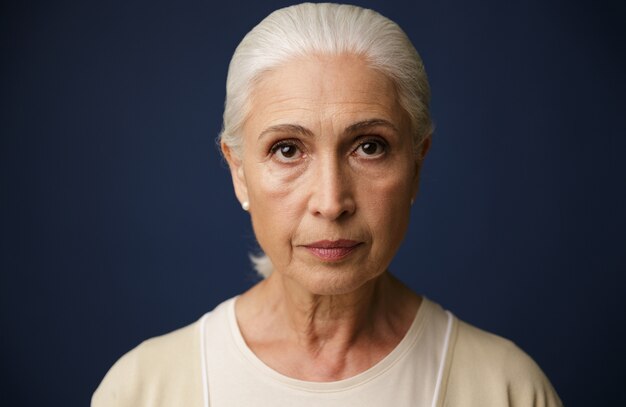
<point>334,207</point>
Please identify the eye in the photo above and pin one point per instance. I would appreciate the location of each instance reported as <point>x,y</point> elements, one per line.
<point>286,151</point>
<point>371,148</point>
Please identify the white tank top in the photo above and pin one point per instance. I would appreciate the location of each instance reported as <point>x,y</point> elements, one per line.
<point>408,376</point>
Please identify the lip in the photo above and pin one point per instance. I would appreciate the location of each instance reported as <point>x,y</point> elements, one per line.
<point>332,250</point>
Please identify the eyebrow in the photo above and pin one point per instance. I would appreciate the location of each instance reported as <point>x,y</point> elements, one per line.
<point>353,128</point>
<point>287,128</point>
<point>303,131</point>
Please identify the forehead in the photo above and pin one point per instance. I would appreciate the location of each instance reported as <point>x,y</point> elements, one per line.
<point>316,89</point>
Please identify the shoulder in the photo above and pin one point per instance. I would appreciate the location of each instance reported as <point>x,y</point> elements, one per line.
<point>487,370</point>
<point>162,368</point>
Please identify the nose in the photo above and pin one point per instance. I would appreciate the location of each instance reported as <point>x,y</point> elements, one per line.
<point>331,195</point>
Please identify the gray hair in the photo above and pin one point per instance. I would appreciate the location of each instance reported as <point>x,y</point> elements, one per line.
<point>325,28</point>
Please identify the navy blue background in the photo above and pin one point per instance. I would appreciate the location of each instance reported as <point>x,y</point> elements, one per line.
<point>119,221</point>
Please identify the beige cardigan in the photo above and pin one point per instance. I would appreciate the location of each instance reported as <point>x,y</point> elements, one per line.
<point>481,370</point>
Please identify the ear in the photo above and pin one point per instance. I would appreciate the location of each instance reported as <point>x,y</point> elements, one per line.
<point>421,152</point>
<point>236,172</point>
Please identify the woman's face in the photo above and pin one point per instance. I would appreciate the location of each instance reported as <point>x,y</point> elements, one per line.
<point>329,169</point>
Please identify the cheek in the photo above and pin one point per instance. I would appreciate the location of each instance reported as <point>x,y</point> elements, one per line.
<point>275,208</point>
<point>274,192</point>
<point>387,189</point>
<point>386,203</point>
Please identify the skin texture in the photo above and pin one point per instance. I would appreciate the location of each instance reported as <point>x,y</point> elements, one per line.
<point>327,156</point>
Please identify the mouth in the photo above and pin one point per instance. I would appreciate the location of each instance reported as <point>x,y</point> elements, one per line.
<point>332,250</point>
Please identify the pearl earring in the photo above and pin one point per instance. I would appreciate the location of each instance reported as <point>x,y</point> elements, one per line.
<point>245,205</point>
<point>412,200</point>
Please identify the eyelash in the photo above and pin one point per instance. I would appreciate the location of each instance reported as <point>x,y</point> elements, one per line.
<point>361,141</point>
<point>284,143</point>
<point>372,140</point>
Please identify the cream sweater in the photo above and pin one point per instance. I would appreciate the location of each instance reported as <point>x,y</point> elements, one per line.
<point>441,362</point>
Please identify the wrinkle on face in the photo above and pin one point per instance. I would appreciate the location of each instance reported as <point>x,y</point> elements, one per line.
<point>324,96</point>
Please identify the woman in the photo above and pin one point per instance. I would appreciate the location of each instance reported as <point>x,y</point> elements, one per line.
<point>326,126</point>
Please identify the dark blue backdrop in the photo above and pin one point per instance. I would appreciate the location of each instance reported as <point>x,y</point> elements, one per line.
<point>119,222</point>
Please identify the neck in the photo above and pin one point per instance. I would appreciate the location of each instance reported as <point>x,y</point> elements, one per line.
<point>381,310</point>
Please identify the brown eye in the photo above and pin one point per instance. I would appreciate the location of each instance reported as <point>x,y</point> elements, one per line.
<point>286,151</point>
<point>370,149</point>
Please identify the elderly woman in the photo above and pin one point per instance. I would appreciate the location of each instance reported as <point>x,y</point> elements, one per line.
<point>326,126</point>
